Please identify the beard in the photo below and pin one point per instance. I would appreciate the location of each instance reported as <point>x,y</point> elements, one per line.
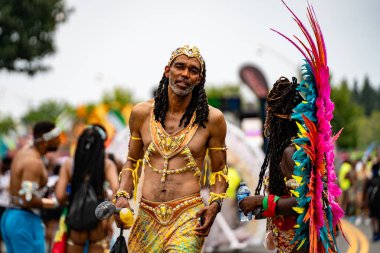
<point>180,91</point>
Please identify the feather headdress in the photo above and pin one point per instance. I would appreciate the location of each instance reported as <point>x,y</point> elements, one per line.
<point>316,196</point>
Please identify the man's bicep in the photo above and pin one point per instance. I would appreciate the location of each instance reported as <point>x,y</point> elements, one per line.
<point>217,143</point>
<point>218,131</point>
<point>135,150</point>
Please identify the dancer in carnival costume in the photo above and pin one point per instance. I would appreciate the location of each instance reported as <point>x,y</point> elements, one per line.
<point>301,208</point>
<point>170,137</point>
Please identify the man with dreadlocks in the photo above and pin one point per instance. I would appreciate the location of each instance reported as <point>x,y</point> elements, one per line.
<point>280,130</point>
<point>171,135</point>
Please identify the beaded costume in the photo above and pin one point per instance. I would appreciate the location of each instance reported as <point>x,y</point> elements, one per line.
<point>165,226</point>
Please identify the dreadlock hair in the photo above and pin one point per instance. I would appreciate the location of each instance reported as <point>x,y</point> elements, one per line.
<point>280,129</point>
<point>198,103</point>
<point>89,161</point>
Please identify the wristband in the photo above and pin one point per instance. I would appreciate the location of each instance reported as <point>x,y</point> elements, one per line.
<point>219,202</point>
<point>121,193</point>
<point>265,203</point>
<point>271,208</point>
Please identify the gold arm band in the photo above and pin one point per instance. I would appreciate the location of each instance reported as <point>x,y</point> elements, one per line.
<point>215,196</point>
<point>133,159</point>
<point>219,148</point>
<point>135,138</point>
<point>220,174</point>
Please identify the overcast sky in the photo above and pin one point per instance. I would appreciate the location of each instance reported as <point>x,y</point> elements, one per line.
<point>128,42</point>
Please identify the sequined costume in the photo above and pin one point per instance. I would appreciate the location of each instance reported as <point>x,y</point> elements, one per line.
<point>167,226</point>
<point>169,145</point>
<point>171,226</point>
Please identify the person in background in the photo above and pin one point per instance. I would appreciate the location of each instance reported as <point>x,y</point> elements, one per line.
<point>89,165</point>
<point>278,181</point>
<point>51,217</point>
<point>5,168</point>
<point>27,186</point>
<point>119,164</point>
<point>347,178</point>
<point>361,182</point>
<point>372,198</point>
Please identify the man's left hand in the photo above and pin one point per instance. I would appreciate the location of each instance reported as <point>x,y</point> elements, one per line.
<point>209,213</point>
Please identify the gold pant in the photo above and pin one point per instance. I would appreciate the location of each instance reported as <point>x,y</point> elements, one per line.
<point>167,226</point>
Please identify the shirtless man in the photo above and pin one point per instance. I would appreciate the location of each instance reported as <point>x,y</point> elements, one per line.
<point>21,226</point>
<point>170,136</point>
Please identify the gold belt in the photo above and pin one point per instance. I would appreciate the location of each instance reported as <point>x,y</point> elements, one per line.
<point>167,212</point>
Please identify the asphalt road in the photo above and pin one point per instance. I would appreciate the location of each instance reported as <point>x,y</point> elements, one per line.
<point>359,238</point>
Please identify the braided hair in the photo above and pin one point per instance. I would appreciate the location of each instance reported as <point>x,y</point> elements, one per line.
<point>89,161</point>
<point>198,103</point>
<point>280,130</point>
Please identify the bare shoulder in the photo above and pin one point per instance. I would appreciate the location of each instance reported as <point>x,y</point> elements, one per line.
<point>216,125</point>
<point>215,116</point>
<point>142,110</point>
<point>32,165</point>
<point>27,158</point>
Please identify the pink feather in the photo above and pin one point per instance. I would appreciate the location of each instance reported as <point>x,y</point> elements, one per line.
<point>323,145</point>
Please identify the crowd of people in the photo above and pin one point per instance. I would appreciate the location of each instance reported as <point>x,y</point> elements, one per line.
<point>171,137</point>
<point>360,183</point>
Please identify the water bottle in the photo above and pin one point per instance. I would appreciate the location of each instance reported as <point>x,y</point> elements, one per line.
<point>242,193</point>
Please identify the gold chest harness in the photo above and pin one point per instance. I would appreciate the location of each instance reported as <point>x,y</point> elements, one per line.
<point>169,145</point>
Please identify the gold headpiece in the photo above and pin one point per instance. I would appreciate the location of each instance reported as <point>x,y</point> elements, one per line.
<point>189,51</point>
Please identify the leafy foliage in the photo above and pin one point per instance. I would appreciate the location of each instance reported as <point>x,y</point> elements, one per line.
<point>117,98</point>
<point>48,110</point>
<point>228,90</point>
<point>27,31</point>
<point>7,124</point>
<point>346,114</point>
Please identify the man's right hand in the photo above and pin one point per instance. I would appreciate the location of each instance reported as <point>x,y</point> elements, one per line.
<point>121,202</point>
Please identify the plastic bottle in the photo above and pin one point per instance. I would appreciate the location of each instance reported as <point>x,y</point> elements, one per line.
<point>242,193</point>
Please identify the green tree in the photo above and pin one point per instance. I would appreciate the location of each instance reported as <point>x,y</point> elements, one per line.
<point>48,110</point>
<point>374,126</point>
<point>216,95</point>
<point>27,33</point>
<point>368,97</point>
<point>7,124</point>
<point>117,98</point>
<point>346,115</point>
<point>227,90</point>
<point>356,92</point>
